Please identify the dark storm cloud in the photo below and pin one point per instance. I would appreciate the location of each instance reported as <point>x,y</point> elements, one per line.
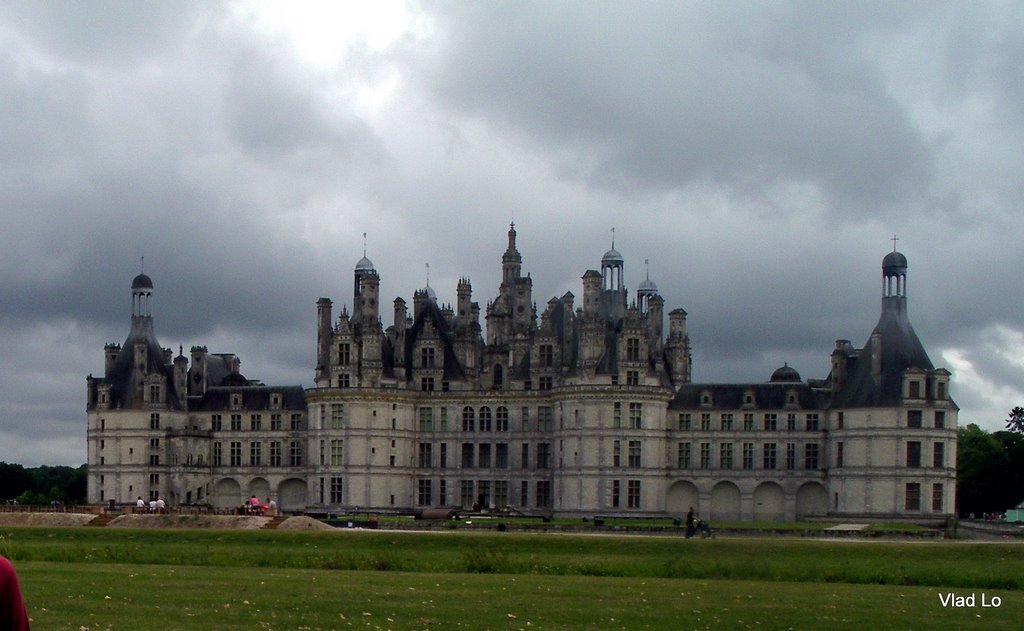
<point>657,96</point>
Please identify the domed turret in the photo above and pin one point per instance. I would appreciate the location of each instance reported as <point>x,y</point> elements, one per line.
<point>785,374</point>
<point>894,262</point>
<point>364,265</point>
<point>612,257</point>
<point>142,281</point>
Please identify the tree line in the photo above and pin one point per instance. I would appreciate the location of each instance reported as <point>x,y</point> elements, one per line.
<point>990,468</point>
<point>41,485</point>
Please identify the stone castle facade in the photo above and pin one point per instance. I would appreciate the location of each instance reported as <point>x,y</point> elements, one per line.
<point>589,411</point>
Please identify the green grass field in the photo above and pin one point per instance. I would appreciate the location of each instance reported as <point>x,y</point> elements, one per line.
<point>200,579</point>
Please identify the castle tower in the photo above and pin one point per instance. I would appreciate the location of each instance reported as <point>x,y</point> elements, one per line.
<point>365,292</point>
<point>511,261</point>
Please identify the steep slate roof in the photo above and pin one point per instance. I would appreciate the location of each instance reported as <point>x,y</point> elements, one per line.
<point>452,368</point>
<point>254,398</point>
<point>729,396</point>
<point>893,347</point>
<point>123,391</point>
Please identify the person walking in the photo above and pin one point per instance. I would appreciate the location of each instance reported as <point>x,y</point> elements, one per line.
<point>13,616</point>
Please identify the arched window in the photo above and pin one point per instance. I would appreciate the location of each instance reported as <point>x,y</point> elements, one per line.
<point>468,419</point>
<point>499,376</point>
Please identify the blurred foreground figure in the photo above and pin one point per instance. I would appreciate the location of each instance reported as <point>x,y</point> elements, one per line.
<point>12,608</point>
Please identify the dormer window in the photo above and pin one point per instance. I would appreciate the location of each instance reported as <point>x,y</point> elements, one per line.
<point>427,357</point>
<point>275,400</point>
<point>705,398</point>
<point>940,390</point>
<point>344,354</point>
<point>236,400</point>
<point>915,390</point>
<point>154,394</point>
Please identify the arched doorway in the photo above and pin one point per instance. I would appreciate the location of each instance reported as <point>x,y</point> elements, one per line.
<point>769,502</point>
<point>292,494</point>
<point>725,502</point>
<point>227,493</point>
<point>682,495</point>
<point>811,500</point>
<point>260,488</point>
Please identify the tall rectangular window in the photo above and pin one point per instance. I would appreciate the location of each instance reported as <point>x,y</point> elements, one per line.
<point>617,415</point>
<point>791,422</point>
<point>839,454</point>
<point>501,456</point>
<point>684,421</point>
<point>748,455</point>
<point>748,422</point>
<point>337,452</point>
<point>616,492</point>
<point>485,456</point>
<point>295,453</point>
<point>500,493</point>
<point>705,455</point>
<point>813,423</point>
<point>727,422</point>
<point>426,419</point>
<point>524,493</point>
<point>705,421</point>
<point>467,455</point>
<point>913,454</point>
<point>236,422</point>
<point>632,493</point>
<point>939,455</point>
<point>636,415</point>
<point>547,355</point>
<point>937,492</point>
<point>632,377</point>
<point>423,492</point>
<point>790,456</point>
<point>336,491</point>
<point>216,423</point>
<point>524,461</point>
<point>913,496</point>
<point>275,453</point>
<point>275,422</point>
<point>915,390</point>
<point>811,456</point>
<point>255,422</point>
<point>501,419</point>
<point>940,419</point>
<point>255,454</point>
<point>725,456</point>
<point>771,422</point>
<point>444,456</point>
<point>154,421</point>
<point>468,419</point>
<point>617,453</point>
<point>914,419</point>
<point>427,358</point>
<point>337,416</point>
<point>685,455</point>
<point>544,494</point>
<point>344,354</point>
<point>296,422</point>
<point>634,454</point>
<point>485,419</point>
<point>543,455</point>
<point>427,384</point>
<point>466,494</point>
<point>236,454</point>
<point>544,418</point>
<point>770,455</point>
<point>632,349</point>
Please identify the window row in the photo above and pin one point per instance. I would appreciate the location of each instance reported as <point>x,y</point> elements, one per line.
<point>255,424</point>
<point>769,422</point>
<point>769,456</point>
<point>279,454</point>
<point>912,497</point>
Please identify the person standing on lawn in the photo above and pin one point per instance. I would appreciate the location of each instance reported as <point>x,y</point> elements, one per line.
<point>13,616</point>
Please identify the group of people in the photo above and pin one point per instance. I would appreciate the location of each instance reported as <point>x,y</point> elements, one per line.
<point>695,524</point>
<point>254,507</point>
<point>155,506</point>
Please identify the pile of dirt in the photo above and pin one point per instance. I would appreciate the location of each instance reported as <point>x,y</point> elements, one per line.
<point>45,519</point>
<point>226,522</point>
<point>303,523</point>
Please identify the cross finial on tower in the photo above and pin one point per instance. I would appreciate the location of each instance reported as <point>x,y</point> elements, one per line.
<point>613,238</point>
<point>428,274</point>
<point>142,265</point>
<point>364,245</point>
<point>894,240</point>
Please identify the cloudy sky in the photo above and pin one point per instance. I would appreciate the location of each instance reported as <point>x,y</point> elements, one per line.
<point>760,155</point>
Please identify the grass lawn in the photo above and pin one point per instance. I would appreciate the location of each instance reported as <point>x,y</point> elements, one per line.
<point>142,579</point>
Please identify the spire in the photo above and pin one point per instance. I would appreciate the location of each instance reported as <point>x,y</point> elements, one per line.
<point>511,261</point>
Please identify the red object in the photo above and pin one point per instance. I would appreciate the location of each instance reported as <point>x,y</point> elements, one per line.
<point>13,616</point>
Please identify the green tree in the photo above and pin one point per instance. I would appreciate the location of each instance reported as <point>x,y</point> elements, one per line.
<point>981,470</point>
<point>1015,423</point>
